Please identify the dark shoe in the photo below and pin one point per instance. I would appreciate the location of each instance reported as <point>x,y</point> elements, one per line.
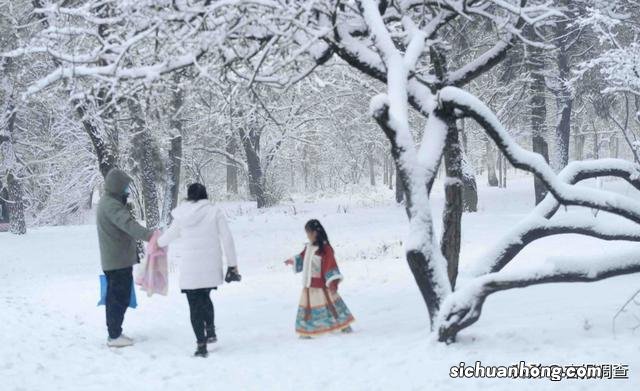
<point>201,351</point>
<point>212,339</point>
<point>347,330</point>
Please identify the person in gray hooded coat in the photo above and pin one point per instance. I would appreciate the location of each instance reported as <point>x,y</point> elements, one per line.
<point>117,235</point>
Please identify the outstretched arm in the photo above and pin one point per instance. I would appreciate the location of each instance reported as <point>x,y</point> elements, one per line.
<point>296,261</point>
<point>172,233</point>
<point>121,218</point>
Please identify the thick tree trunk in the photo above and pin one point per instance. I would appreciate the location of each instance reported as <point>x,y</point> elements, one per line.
<point>500,171</point>
<point>390,172</point>
<point>452,214</point>
<point>17,223</point>
<point>251,145</point>
<point>372,170</point>
<point>172,185</point>
<point>505,166</point>
<point>490,157</point>
<point>174,165</point>
<point>538,115</point>
<point>385,172</point>
<point>614,145</point>
<point>4,206</point>
<point>232,168</point>
<point>470,194</point>
<point>15,201</point>
<point>579,146</point>
<point>148,178</point>
<point>469,187</point>
<point>563,133</point>
<point>305,169</point>
<point>399,188</point>
<point>146,156</point>
<point>103,150</point>
<point>564,98</point>
<point>422,262</point>
<point>540,146</point>
<point>89,203</point>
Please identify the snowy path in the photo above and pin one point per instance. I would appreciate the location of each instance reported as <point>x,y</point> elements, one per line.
<point>52,335</point>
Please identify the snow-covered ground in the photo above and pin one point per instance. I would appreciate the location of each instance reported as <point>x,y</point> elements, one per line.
<point>52,335</point>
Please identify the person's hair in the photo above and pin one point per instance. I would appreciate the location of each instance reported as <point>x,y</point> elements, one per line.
<point>196,192</point>
<point>322,239</point>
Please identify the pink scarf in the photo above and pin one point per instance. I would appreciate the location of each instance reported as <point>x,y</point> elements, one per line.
<point>153,274</point>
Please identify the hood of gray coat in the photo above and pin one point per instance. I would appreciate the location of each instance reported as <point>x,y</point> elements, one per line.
<point>191,213</point>
<point>116,181</point>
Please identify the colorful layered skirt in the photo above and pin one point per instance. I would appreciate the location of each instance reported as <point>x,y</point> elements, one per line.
<point>321,311</point>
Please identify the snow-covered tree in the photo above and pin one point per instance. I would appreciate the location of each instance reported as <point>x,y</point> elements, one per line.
<point>404,45</point>
<point>613,72</point>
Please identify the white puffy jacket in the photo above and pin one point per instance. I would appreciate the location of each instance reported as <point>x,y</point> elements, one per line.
<point>194,237</point>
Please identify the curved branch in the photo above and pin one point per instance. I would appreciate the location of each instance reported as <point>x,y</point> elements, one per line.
<point>217,151</point>
<point>463,307</point>
<point>533,229</point>
<point>537,225</point>
<point>525,160</point>
<point>488,59</point>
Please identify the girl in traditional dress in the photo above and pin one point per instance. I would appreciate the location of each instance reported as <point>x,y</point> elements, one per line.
<point>321,308</point>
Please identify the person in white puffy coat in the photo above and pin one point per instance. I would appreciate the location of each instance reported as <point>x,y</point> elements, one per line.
<point>198,234</point>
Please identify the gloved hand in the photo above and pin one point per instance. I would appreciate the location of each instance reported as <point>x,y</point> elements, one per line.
<point>232,274</point>
<point>289,262</point>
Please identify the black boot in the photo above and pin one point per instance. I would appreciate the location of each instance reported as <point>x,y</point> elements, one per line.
<point>202,350</point>
<point>211,334</point>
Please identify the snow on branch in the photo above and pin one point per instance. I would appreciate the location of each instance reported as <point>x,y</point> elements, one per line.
<point>397,75</point>
<point>463,308</point>
<point>485,61</point>
<point>529,15</point>
<point>226,154</point>
<point>538,225</point>
<point>532,162</point>
<point>113,42</point>
<point>148,73</point>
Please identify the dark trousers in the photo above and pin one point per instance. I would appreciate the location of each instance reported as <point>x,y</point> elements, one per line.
<point>201,309</point>
<point>118,296</point>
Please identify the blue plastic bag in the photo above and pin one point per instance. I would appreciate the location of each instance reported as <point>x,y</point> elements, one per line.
<point>133,303</point>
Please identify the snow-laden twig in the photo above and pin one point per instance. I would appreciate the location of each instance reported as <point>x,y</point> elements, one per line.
<point>624,308</point>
